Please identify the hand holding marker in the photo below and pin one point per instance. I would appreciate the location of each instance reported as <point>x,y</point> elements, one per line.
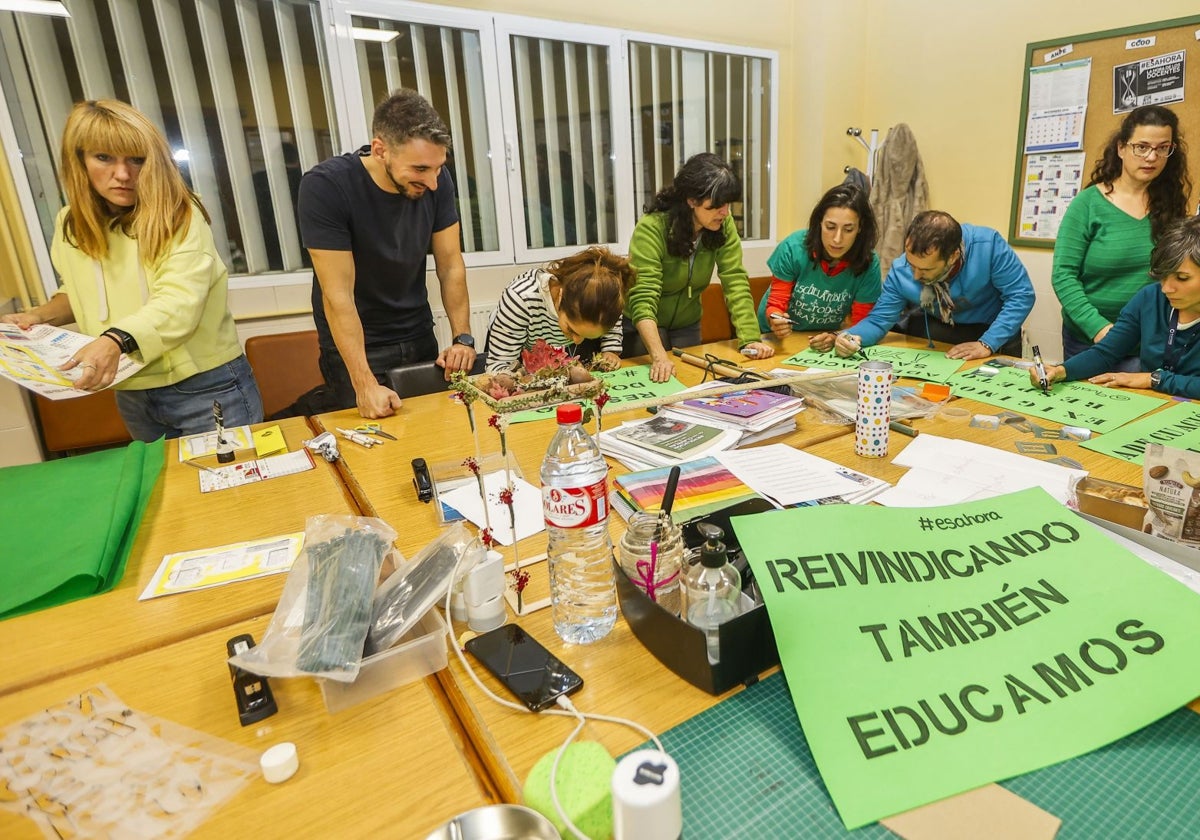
<point>1040,370</point>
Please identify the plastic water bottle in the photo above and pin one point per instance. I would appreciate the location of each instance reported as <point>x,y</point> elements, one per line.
<point>583,593</point>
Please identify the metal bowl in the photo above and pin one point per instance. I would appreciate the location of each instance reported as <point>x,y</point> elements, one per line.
<point>498,822</point>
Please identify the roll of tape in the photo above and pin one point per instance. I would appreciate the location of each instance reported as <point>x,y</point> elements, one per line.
<point>279,763</point>
<point>645,795</point>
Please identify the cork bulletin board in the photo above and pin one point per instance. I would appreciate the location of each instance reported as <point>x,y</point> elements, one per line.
<point>1076,91</point>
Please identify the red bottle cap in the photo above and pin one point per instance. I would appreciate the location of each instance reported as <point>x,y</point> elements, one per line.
<point>570,413</point>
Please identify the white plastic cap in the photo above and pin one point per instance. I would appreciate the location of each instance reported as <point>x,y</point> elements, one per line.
<point>645,792</point>
<point>280,763</point>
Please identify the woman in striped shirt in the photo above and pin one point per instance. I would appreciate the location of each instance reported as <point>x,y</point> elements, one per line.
<point>574,303</point>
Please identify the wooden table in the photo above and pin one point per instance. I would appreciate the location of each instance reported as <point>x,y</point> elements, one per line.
<point>392,766</point>
<point>620,677</point>
<point>109,627</point>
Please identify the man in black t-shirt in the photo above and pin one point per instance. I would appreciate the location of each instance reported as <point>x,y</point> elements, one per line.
<point>368,220</point>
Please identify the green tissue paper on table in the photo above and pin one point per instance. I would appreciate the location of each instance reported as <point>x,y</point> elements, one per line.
<point>69,524</point>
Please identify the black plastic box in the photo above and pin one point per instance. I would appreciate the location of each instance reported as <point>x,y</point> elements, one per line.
<point>747,643</point>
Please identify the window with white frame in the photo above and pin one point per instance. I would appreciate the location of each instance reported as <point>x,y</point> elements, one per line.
<point>241,88</point>
<point>562,132</point>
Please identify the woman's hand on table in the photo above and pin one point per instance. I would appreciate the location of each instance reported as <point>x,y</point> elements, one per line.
<point>758,350</point>
<point>1118,379</point>
<point>662,368</point>
<point>968,350</point>
<point>609,361</point>
<point>96,363</point>
<point>822,342</point>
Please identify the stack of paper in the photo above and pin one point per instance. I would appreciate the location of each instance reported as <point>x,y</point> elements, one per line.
<point>945,471</point>
<point>790,476</point>
<point>704,486</point>
<point>753,411</point>
<point>664,441</point>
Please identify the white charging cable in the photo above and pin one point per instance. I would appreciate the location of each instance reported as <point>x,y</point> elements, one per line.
<point>568,710</point>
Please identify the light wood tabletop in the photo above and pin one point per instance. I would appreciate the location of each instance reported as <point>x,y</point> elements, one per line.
<point>108,627</point>
<point>391,766</point>
<point>620,676</point>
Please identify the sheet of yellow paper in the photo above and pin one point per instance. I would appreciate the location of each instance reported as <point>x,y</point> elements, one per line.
<point>269,441</point>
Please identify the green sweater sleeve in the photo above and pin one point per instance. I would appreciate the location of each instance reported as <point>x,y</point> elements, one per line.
<point>1075,235</point>
<point>647,250</point>
<point>736,284</point>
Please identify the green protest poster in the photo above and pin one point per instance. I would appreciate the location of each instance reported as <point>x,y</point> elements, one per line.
<point>931,365</point>
<point>625,384</point>
<point>930,651</point>
<point>1069,403</point>
<point>1177,426</point>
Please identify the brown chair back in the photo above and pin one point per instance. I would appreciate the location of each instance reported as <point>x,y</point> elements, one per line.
<point>285,367</point>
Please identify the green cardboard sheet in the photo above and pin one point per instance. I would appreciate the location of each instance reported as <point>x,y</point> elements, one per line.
<point>930,365</point>
<point>1177,426</point>
<point>749,748</point>
<point>625,384</point>
<point>1069,403</point>
<point>69,524</point>
<point>933,650</point>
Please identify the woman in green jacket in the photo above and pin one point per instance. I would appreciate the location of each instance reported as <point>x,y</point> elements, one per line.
<point>686,232</point>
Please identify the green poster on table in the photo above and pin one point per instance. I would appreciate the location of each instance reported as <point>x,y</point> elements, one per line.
<point>1177,426</point>
<point>1070,403</point>
<point>930,651</point>
<point>625,384</point>
<point>931,365</point>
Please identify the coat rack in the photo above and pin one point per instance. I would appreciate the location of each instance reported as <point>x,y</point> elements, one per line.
<point>871,148</point>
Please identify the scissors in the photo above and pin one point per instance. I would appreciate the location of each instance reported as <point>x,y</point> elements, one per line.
<point>373,429</point>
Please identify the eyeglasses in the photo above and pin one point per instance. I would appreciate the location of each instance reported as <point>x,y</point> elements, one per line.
<point>1144,149</point>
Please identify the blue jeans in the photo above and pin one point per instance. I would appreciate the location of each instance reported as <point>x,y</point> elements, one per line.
<point>186,408</point>
<point>1073,346</point>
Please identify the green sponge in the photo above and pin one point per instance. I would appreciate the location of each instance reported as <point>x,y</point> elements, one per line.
<point>584,786</point>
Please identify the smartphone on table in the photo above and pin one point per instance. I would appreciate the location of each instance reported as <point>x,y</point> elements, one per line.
<point>535,675</point>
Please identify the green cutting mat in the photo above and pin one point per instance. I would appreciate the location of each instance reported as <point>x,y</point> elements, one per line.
<point>747,772</point>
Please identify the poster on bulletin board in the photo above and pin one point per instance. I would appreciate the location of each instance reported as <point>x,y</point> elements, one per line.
<point>1076,91</point>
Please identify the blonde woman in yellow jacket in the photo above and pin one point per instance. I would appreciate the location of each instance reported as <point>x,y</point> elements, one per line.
<point>140,271</point>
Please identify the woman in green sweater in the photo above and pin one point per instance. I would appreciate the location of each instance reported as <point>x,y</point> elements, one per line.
<point>686,232</point>
<point>1138,187</point>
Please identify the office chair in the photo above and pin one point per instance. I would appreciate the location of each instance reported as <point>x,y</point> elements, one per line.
<point>424,378</point>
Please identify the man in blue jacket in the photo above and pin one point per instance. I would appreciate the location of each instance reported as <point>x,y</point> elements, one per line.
<point>958,284</point>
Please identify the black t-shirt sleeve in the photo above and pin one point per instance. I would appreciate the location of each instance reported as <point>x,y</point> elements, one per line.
<point>445,211</point>
<point>324,214</point>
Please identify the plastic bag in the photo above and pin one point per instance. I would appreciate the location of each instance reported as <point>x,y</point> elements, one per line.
<point>321,622</point>
<point>414,588</point>
<point>1172,484</point>
<point>835,400</point>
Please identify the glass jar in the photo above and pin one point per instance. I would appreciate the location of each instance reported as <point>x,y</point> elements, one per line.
<point>651,555</point>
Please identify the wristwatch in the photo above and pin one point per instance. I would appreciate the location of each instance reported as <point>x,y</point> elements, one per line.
<point>124,340</point>
<point>465,339</point>
<point>1156,379</point>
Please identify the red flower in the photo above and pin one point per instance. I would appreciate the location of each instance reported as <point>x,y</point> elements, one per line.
<point>472,465</point>
<point>485,537</point>
<point>602,400</point>
<point>542,356</point>
<point>506,496</point>
<point>494,421</point>
<point>520,579</point>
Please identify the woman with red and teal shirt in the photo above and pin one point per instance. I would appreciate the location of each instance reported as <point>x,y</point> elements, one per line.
<point>826,274</point>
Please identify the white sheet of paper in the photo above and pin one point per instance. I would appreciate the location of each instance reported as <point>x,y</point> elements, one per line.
<point>920,487</point>
<point>527,504</point>
<point>787,475</point>
<point>996,471</point>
